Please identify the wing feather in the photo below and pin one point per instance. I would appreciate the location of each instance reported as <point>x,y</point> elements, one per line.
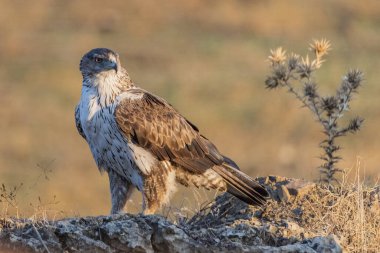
<point>153,124</point>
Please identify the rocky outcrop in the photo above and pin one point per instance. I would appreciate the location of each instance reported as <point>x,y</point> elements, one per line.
<point>227,225</point>
<point>129,233</point>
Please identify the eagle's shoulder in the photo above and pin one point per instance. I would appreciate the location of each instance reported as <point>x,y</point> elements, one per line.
<point>141,97</point>
<point>138,110</point>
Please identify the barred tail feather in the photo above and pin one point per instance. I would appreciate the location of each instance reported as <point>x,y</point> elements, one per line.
<point>241,185</point>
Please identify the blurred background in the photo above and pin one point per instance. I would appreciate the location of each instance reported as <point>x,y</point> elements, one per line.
<point>207,58</point>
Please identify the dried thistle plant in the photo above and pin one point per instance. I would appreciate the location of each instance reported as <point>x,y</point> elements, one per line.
<point>8,198</point>
<point>289,71</point>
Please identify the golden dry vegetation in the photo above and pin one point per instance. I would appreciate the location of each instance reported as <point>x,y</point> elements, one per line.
<point>206,57</point>
<point>351,213</point>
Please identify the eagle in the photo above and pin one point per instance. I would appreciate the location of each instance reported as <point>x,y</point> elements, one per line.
<point>142,142</point>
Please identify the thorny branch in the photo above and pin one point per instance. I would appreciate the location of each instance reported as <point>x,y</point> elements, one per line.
<point>328,110</point>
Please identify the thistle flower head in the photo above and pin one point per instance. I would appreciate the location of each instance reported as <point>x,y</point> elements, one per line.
<point>280,72</point>
<point>355,124</point>
<point>293,61</point>
<point>306,67</point>
<point>329,104</point>
<point>310,90</point>
<point>320,47</point>
<point>271,82</point>
<point>277,56</point>
<point>353,78</point>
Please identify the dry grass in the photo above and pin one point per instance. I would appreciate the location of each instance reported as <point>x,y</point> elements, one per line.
<point>40,211</point>
<point>351,212</point>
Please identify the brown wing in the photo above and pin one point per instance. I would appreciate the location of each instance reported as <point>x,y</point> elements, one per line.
<point>152,123</point>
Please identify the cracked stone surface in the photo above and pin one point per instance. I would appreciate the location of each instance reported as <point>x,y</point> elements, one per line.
<point>229,225</point>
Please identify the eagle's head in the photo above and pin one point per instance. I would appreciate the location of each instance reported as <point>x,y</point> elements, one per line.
<point>99,61</point>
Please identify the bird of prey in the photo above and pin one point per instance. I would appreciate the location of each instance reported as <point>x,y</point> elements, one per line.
<point>142,142</point>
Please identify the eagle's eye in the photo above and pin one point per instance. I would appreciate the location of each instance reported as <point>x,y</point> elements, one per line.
<point>98,59</point>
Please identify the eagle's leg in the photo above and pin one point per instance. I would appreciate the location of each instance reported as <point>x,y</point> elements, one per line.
<point>121,190</point>
<point>158,186</point>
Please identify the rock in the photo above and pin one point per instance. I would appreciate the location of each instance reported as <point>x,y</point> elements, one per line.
<point>317,244</point>
<point>145,234</point>
<point>299,187</point>
<point>276,179</point>
<point>282,188</point>
<point>283,193</point>
<point>325,244</point>
<point>228,225</point>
